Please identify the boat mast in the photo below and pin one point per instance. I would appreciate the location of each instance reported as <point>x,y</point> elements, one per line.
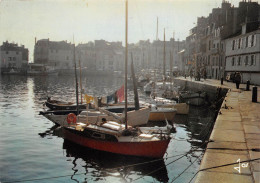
<point>157,31</point>
<point>80,80</point>
<point>126,57</point>
<point>76,78</point>
<point>164,61</point>
<point>137,107</point>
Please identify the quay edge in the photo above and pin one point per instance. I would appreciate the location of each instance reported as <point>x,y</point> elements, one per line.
<point>235,136</point>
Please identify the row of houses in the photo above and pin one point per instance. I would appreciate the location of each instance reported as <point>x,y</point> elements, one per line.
<point>105,56</point>
<point>228,40</point>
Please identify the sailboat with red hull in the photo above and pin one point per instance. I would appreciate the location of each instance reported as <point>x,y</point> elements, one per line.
<point>118,138</point>
<point>145,145</point>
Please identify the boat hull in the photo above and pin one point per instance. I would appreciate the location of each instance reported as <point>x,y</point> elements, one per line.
<point>182,108</point>
<point>162,115</point>
<point>151,149</point>
<point>61,120</point>
<point>196,99</point>
<point>64,107</point>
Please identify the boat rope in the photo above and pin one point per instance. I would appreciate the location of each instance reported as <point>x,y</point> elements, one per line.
<point>171,161</point>
<point>44,178</point>
<point>55,177</point>
<point>186,168</point>
<point>192,150</point>
<point>219,166</point>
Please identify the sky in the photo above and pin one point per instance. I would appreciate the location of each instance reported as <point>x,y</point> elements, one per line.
<point>88,20</point>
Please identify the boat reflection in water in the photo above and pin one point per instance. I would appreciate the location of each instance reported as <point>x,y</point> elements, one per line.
<point>101,165</point>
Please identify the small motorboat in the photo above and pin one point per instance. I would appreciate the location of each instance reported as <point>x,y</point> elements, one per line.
<point>60,105</point>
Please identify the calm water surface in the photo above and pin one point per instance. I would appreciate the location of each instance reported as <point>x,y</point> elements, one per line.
<point>32,149</point>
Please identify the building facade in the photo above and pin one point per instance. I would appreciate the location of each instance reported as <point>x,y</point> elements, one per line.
<point>205,46</point>
<point>243,54</point>
<point>13,57</point>
<point>59,55</point>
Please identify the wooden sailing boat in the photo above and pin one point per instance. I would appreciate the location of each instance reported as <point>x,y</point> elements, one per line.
<point>116,138</point>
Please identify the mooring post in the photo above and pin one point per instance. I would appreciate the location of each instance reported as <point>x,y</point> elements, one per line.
<point>221,80</point>
<point>254,94</point>
<point>247,85</point>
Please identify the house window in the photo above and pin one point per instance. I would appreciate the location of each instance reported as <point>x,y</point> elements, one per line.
<point>17,53</point>
<point>233,61</point>
<point>239,61</point>
<point>246,41</point>
<point>233,44</point>
<point>239,43</point>
<point>7,52</point>
<point>246,60</point>
<point>252,40</point>
<point>9,58</point>
<point>252,60</point>
<point>14,58</point>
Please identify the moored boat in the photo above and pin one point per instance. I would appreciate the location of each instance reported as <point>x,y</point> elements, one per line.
<point>41,70</point>
<point>60,105</point>
<point>193,98</point>
<point>162,114</point>
<point>182,108</point>
<point>60,117</point>
<point>116,138</point>
<point>111,137</point>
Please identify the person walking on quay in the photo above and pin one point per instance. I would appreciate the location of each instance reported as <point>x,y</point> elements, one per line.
<point>191,74</point>
<point>204,74</point>
<point>237,79</point>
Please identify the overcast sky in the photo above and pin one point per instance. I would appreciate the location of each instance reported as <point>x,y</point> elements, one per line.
<point>88,20</point>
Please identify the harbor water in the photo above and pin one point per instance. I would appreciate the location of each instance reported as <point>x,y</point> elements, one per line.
<point>32,148</point>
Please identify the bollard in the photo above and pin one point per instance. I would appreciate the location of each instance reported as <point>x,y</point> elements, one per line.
<point>222,79</point>
<point>254,94</point>
<point>247,85</point>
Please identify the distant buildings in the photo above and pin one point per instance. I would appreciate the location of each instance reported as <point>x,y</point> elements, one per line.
<point>58,54</point>
<point>13,57</point>
<point>225,41</point>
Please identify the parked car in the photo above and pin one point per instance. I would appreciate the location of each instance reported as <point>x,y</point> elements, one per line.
<point>230,77</point>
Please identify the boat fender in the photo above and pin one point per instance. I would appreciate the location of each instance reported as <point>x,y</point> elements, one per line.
<point>71,118</point>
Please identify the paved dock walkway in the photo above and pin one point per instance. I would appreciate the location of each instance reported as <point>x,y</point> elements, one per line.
<point>235,137</point>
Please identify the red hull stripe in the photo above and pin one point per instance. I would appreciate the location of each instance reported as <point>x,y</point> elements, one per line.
<point>153,149</point>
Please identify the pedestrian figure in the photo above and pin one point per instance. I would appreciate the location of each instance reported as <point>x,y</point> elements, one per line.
<point>198,75</point>
<point>191,74</point>
<point>237,79</point>
<point>205,74</point>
